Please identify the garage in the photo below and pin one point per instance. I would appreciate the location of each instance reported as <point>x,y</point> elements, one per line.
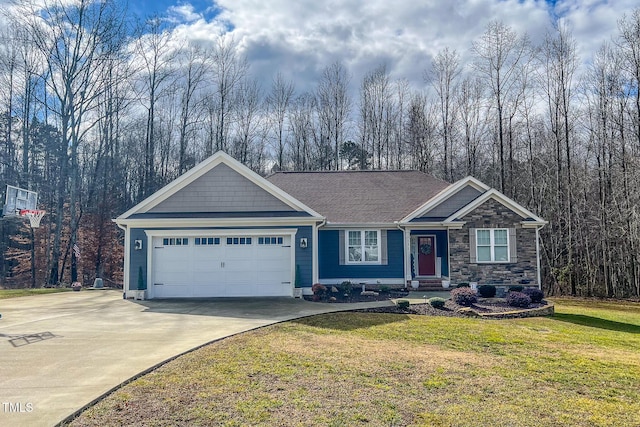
<point>206,264</point>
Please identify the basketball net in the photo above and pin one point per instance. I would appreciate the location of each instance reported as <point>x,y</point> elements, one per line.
<point>34,215</point>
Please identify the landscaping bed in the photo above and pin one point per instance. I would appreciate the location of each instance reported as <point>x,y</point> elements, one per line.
<point>490,308</point>
<point>333,294</point>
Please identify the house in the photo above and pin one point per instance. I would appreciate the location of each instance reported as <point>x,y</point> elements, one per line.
<point>221,230</point>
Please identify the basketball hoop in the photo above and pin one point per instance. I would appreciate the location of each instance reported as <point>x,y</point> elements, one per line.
<point>34,215</point>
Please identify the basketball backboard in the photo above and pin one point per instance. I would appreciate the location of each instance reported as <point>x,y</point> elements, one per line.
<point>18,198</point>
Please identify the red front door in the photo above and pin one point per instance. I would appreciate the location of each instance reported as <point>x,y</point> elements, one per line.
<point>426,256</point>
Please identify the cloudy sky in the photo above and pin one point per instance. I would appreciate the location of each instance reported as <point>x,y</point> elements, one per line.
<point>300,37</point>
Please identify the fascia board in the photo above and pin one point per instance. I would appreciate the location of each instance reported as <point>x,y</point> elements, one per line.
<point>359,225</point>
<point>239,231</point>
<point>204,167</point>
<point>499,197</point>
<point>440,225</point>
<point>206,222</point>
<point>444,195</point>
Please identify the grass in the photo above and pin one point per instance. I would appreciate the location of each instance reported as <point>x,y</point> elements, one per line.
<point>14,293</point>
<point>578,368</point>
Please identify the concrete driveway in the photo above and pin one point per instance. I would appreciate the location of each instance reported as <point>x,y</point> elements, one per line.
<point>59,352</point>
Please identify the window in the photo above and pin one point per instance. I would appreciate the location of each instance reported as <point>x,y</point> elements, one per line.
<point>175,241</point>
<point>206,241</point>
<point>238,240</point>
<point>492,245</point>
<point>270,240</point>
<point>363,246</point>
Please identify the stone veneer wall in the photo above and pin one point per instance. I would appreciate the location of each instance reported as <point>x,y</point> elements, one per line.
<point>493,214</point>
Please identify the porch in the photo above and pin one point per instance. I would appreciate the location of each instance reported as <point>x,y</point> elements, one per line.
<point>428,257</point>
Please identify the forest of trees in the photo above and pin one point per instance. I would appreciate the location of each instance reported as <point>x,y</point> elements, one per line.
<point>98,111</point>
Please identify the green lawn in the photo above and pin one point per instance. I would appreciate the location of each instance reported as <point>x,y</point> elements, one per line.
<point>579,368</point>
<point>14,293</point>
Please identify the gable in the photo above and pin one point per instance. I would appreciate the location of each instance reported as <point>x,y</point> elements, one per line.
<point>492,214</point>
<point>450,205</point>
<point>221,189</point>
<point>494,203</point>
<point>217,186</point>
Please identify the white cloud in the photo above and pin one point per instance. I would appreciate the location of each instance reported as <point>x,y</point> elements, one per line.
<point>299,38</point>
<point>183,13</point>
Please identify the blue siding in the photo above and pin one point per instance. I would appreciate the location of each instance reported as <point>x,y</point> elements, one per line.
<point>442,246</point>
<point>304,258</point>
<point>329,259</point>
<point>138,259</point>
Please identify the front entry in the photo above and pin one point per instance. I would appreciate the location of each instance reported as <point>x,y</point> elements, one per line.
<point>426,256</point>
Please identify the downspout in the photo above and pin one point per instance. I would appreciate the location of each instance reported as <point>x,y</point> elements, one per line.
<point>407,254</point>
<point>538,255</point>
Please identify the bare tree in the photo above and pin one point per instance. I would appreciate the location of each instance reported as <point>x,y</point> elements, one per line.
<point>302,129</point>
<point>422,124</point>
<point>444,72</point>
<point>248,121</point>
<point>278,105</point>
<point>560,61</point>
<point>193,75</point>
<point>229,69</point>
<point>376,110</point>
<point>500,53</point>
<point>334,106</point>
<point>629,43</point>
<point>75,38</point>
<point>153,48</point>
<point>471,112</point>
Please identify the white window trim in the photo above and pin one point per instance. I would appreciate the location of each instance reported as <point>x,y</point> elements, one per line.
<point>362,245</point>
<point>493,254</point>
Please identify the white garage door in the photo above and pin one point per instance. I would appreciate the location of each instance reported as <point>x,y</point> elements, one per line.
<point>222,266</point>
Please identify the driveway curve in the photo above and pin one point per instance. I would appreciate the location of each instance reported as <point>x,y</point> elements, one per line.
<point>59,352</point>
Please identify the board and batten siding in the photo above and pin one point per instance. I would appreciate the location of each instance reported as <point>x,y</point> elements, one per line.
<point>222,189</point>
<point>451,205</point>
<point>329,254</point>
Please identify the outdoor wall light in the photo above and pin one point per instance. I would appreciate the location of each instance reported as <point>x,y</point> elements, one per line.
<point>137,245</point>
<point>303,242</point>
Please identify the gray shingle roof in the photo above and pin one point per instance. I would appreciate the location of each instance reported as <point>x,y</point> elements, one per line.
<point>360,197</point>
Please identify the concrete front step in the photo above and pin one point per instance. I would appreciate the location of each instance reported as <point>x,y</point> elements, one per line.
<point>430,288</point>
<point>428,285</point>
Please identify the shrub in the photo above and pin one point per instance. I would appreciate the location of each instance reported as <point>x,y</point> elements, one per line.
<point>437,302</point>
<point>518,299</point>
<point>403,304</point>
<point>464,296</point>
<point>319,291</point>
<point>384,288</point>
<point>516,288</point>
<point>345,287</point>
<point>535,294</point>
<point>487,291</point>
<point>463,285</point>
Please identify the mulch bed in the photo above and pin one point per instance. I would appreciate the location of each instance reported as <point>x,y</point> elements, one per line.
<point>451,309</point>
<point>356,297</point>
